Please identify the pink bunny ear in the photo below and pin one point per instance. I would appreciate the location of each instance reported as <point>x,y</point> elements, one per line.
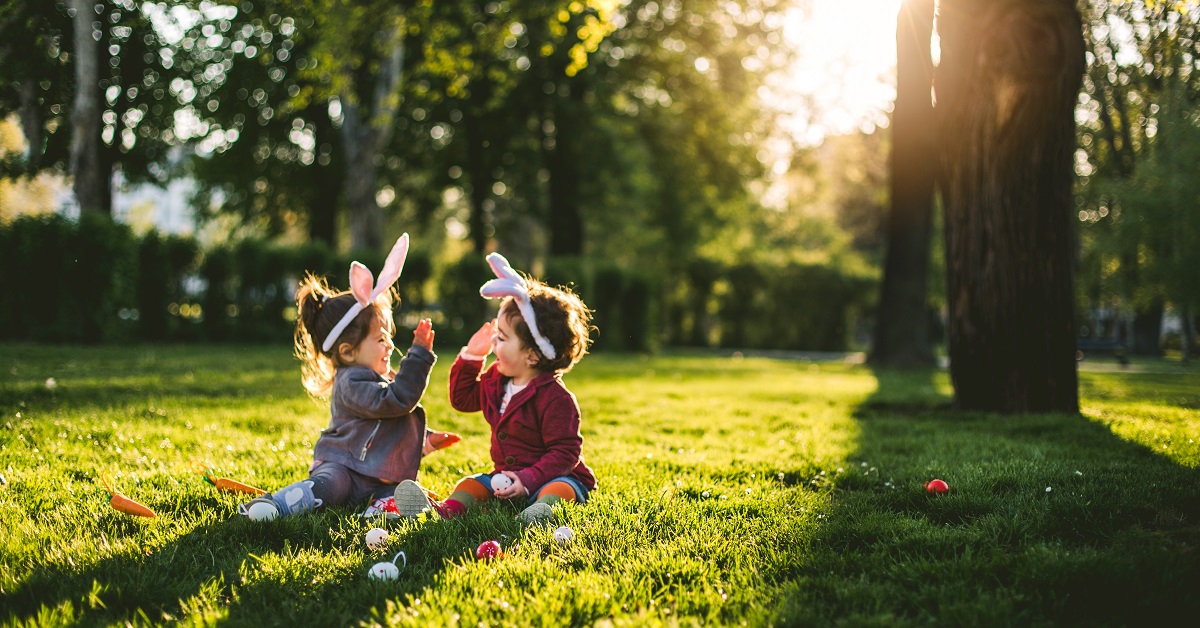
<point>509,283</point>
<point>393,266</point>
<point>502,268</point>
<point>360,283</point>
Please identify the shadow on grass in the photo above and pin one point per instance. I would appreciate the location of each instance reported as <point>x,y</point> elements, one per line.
<point>1049,518</point>
<point>244,571</point>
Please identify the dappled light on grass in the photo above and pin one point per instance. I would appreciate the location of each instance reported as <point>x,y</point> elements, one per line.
<point>730,490</point>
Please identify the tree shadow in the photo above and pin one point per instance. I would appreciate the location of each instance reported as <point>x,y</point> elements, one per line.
<point>1050,517</point>
<point>246,572</point>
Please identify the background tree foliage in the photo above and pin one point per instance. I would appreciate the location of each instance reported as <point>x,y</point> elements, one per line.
<point>1136,204</point>
<point>132,126</point>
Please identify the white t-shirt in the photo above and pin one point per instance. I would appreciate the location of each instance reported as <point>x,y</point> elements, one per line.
<point>510,389</point>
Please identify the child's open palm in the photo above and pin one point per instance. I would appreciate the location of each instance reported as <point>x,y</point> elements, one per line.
<point>481,342</point>
<point>423,334</point>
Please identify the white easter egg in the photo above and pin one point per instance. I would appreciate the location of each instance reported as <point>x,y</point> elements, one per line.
<point>564,534</point>
<point>501,482</point>
<point>377,538</point>
<point>262,511</point>
<point>384,571</point>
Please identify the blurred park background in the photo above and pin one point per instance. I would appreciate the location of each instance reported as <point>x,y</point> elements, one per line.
<point>742,174</point>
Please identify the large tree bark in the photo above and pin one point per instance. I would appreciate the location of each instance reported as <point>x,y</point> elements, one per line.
<point>479,166</point>
<point>1006,91</point>
<point>328,178</point>
<point>564,153</point>
<point>902,323</point>
<point>91,183</point>
<point>366,130</point>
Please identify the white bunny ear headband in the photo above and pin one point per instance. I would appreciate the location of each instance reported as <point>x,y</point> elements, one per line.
<point>364,294</point>
<point>509,284</point>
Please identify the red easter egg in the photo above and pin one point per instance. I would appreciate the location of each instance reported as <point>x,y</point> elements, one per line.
<point>937,486</point>
<point>488,550</point>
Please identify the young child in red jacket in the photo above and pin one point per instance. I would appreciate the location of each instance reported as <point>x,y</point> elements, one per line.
<point>540,333</point>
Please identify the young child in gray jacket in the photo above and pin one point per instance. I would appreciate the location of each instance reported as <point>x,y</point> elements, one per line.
<point>376,430</point>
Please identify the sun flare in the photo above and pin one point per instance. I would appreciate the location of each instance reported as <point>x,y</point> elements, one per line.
<point>843,78</point>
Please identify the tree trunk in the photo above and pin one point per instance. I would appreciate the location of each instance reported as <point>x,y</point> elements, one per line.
<point>366,130</point>
<point>479,171</point>
<point>1006,92</point>
<point>902,324</point>
<point>563,150</point>
<point>328,180</point>
<point>1186,337</point>
<point>31,123</point>
<point>1147,330</point>
<point>89,178</point>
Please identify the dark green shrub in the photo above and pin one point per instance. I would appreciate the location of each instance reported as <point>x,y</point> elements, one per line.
<point>418,271</point>
<point>636,316</point>
<point>463,309</point>
<point>74,279</point>
<point>219,300</point>
<point>163,262</point>
<point>740,303</point>
<point>608,290</point>
<point>697,319</point>
<point>262,291</point>
<point>571,272</point>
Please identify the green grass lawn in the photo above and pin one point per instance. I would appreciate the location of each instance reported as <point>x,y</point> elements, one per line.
<point>731,491</point>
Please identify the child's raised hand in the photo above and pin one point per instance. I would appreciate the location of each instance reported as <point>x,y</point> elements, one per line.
<point>481,342</point>
<point>423,334</point>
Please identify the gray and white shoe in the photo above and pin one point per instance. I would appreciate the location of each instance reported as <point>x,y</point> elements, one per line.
<point>411,500</point>
<point>292,499</point>
<point>539,514</point>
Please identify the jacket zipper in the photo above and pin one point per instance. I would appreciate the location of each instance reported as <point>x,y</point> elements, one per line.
<point>363,455</point>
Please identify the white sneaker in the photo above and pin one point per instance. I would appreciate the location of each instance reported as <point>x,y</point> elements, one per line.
<point>411,500</point>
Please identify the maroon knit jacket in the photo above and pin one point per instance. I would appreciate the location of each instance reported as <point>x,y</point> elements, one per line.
<point>538,436</point>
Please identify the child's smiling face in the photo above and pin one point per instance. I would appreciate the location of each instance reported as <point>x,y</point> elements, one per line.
<point>375,351</point>
<point>513,358</point>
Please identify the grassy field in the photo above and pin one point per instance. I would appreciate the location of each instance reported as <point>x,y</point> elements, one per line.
<point>733,490</point>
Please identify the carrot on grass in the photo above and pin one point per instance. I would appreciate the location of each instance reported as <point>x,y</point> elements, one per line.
<point>121,503</point>
<point>226,484</point>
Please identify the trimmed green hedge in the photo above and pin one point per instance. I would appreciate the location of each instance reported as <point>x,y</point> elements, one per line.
<point>94,280</point>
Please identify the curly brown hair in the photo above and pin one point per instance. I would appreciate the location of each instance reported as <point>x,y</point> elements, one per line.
<point>320,308</point>
<point>561,317</point>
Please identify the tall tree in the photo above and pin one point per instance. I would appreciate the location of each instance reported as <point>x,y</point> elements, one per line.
<point>1006,92</point>
<point>84,77</point>
<point>367,83</point>
<point>92,184</point>
<point>902,324</point>
<point>36,82</point>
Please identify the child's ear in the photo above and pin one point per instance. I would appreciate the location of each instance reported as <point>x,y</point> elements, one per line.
<point>347,351</point>
<point>531,357</point>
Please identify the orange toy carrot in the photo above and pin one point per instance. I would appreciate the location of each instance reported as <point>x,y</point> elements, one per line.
<point>121,503</point>
<point>438,440</point>
<point>226,484</point>
<point>442,440</point>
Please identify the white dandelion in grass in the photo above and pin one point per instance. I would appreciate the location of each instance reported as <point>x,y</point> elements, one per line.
<point>51,383</point>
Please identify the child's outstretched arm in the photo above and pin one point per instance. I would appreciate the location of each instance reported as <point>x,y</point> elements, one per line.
<point>464,374</point>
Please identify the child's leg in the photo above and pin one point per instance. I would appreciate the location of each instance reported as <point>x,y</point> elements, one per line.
<point>554,491</point>
<point>467,493</point>
<point>332,483</point>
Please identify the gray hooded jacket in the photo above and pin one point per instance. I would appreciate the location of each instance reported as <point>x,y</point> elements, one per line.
<point>377,427</point>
